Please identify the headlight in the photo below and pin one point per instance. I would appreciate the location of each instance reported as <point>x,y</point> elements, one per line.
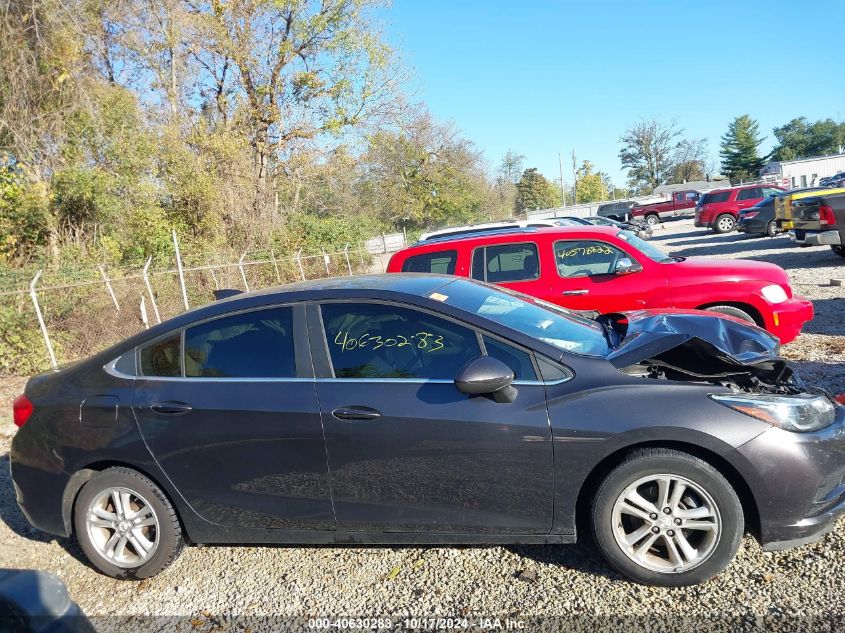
<point>801,414</point>
<point>774,294</point>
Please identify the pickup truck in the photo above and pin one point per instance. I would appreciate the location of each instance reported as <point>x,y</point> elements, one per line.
<point>784,202</point>
<point>676,206</point>
<point>820,220</point>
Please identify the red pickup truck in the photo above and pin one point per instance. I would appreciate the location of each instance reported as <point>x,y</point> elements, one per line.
<point>675,206</point>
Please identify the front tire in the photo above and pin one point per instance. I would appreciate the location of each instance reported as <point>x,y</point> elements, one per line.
<point>732,311</point>
<point>664,517</point>
<point>725,223</point>
<point>126,525</point>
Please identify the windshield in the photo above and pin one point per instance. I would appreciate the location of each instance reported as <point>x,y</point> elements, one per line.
<point>528,315</point>
<point>652,252</point>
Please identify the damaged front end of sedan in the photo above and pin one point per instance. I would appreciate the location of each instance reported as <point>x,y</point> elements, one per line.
<point>700,347</point>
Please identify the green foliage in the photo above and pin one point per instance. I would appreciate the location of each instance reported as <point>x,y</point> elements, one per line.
<point>24,216</point>
<point>22,350</point>
<point>740,149</point>
<point>648,153</point>
<point>534,191</point>
<point>801,139</point>
<point>592,186</point>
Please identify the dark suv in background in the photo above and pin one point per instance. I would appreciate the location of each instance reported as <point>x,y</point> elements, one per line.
<point>619,211</point>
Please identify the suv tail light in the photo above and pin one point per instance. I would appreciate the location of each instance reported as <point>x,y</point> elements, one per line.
<point>826,215</point>
<point>21,410</point>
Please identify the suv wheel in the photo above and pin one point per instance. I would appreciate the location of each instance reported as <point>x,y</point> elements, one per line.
<point>663,517</point>
<point>126,525</point>
<point>652,219</point>
<point>839,250</point>
<point>725,223</point>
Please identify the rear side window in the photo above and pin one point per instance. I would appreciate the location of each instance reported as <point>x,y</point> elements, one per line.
<point>441,262</point>
<point>516,359</point>
<point>374,340</point>
<point>256,344</point>
<point>719,196</point>
<point>162,357</point>
<point>506,262</point>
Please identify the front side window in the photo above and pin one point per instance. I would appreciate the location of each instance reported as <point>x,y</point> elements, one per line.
<point>257,344</point>
<point>162,357</point>
<point>516,359</point>
<point>506,262</point>
<point>585,258</point>
<point>749,194</point>
<point>375,340</point>
<point>441,262</point>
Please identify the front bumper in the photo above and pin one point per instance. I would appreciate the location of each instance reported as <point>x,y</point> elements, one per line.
<point>821,238</point>
<point>787,318</point>
<point>798,482</point>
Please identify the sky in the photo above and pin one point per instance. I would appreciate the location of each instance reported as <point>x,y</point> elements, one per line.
<point>543,78</point>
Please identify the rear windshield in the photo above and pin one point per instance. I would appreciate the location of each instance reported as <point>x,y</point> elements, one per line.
<point>441,262</point>
<point>719,196</point>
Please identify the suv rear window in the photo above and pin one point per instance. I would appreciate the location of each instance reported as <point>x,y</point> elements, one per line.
<point>441,262</point>
<point>719,196</point>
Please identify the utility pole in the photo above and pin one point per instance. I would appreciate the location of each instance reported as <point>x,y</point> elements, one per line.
<point>562,186</point>
<point>574,179</point>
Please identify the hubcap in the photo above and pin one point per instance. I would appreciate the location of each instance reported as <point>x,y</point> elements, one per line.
<point>123,527</point>
<point>651,219</point>
<point>666,523</point>
<point>726,224</point>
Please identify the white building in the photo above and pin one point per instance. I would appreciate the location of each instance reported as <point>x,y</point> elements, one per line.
<point>804,172</point>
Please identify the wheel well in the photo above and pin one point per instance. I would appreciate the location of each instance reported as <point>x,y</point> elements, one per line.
<point>603,468</point>
<point>81,477</point>
<point>745,307</point>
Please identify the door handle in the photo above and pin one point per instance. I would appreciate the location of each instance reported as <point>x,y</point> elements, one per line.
<point>356,413</point>
<point>575,292</point>
<point>171,408</point>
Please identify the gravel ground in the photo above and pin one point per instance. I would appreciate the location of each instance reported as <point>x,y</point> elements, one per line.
<point>800,589</point>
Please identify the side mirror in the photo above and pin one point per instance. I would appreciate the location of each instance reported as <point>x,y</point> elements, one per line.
<point>626,266</point>
<point>486,376</point>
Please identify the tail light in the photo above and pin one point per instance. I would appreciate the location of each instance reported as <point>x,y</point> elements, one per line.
<point>21,410</point>
<point>750,214</point>
<point>826,215</point>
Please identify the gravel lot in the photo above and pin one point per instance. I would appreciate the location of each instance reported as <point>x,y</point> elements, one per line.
<point>803,588</point>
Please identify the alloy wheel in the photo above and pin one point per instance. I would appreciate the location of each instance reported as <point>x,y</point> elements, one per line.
<point>725,224</point>
<point>123,527</point>
<point>666,523</point>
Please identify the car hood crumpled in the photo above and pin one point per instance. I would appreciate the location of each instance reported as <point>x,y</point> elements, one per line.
<point>695,342</point>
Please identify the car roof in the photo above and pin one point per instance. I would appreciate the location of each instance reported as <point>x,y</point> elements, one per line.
<point>510,236</point>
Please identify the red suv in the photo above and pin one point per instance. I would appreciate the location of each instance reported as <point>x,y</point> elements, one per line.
<point>604,269</point>
<point>718,209</point>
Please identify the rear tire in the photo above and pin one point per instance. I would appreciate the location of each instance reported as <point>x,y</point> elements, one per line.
<point>652,219</point>
<point>651,546</point>
<point>839,250</point>
<point>126,525</point>
<point>771,228</point>
<point>725,223</point>
<point>732,311</point>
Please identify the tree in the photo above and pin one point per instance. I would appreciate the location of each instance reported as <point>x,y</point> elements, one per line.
<point>592,185</point>
<point>534,191</point>
<point>426,175</point>
<point>740,149</point>
<point>690,160</point>
<point>801,139</point>
<point>510,168</point>
<point>647,153</point>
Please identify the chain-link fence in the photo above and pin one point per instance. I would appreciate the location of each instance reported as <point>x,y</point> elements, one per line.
<point>70,314</point>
